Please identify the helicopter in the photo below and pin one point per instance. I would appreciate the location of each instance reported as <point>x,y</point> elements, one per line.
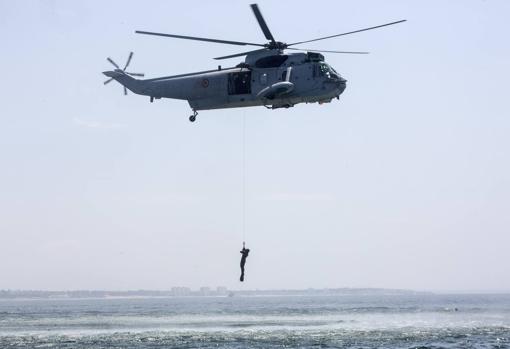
<point>269,76</point>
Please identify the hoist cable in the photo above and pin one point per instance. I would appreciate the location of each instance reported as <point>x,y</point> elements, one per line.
<point>244,177</point>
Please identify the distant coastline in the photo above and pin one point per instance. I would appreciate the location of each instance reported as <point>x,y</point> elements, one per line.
<point>201,292</point>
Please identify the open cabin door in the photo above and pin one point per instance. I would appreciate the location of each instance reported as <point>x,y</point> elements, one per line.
<point>239,83</point>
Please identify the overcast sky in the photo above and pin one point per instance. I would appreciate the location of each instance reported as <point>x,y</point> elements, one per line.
<point>403,183</point>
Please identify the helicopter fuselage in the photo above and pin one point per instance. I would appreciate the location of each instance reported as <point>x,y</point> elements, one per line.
<point>275,81</point>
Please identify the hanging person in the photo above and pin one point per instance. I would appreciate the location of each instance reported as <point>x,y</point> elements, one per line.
<point>244,253</point>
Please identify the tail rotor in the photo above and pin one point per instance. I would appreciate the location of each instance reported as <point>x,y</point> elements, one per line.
<point>117,69</point>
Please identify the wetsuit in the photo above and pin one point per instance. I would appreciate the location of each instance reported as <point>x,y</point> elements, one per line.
<point>244,252</point>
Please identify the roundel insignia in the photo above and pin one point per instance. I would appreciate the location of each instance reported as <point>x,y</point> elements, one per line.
<point>205,83</point>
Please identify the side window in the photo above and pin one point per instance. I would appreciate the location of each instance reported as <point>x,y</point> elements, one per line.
<point>239,83</point>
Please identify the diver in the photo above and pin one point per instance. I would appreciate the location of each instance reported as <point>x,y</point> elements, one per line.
<point>244,252</point>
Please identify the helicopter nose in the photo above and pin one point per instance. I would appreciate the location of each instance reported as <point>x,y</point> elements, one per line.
<point>341,84</point>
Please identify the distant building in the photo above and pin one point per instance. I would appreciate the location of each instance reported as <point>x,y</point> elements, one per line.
<point>205,291</point>
<point>180,291</point>
<point>221,291</point>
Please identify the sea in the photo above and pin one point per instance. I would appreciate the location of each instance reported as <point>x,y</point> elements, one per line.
<point>338,321</point>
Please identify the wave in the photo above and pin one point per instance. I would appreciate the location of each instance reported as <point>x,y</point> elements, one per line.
<point>483,337</point>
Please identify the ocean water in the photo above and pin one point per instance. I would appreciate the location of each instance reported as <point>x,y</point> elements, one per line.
<point>396,321</point>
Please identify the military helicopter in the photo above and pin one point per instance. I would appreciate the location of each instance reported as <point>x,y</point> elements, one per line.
<point>268,76</point>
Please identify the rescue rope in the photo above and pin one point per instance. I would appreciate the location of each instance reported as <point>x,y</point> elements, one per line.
<point>244,177</point>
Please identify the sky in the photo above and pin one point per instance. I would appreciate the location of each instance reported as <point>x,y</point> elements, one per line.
<point>402,183</point>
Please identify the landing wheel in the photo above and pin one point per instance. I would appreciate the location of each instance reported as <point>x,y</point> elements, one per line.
<point>193,117</point>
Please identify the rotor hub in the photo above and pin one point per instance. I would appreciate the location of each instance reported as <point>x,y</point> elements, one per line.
<point>276,45</point>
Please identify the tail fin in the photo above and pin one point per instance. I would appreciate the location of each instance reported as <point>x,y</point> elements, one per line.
<point>134,85</point>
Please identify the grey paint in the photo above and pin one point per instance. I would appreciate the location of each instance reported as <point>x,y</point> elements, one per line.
<point>209,90</point>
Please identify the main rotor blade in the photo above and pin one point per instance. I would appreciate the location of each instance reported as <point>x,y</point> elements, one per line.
<point>239,43</point>
<point>262,22</point>
<point>327,51</point>
<point>135,74</point>
<point>240,54</point>
<point>112,62</point>
<point>128,60</point>
<point>355,31</point>
<point>108,81</point>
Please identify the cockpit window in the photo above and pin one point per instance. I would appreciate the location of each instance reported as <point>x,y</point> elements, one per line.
<point>324,70</point>
<point>327,71</point>
<point>271,61</point>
